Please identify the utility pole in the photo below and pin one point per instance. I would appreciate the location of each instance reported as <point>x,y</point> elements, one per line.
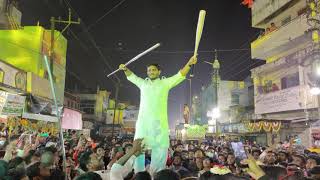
<point>190,100</point>
<point>50,73</point>
<point>115,107</point>
<point>215,82</point>
<point>215,77</point>
<point>53,22</point>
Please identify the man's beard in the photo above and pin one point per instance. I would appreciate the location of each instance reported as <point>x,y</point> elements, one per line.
<point>154,78</point>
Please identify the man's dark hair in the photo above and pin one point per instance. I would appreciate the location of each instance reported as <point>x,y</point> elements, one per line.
<point>17,173</point>
<point>33,170</point>
<point>315,157</point>
<point>129,176</point>
<point>285,153</point>
<point>198,149</point>
<point>231,154</point>
<point>97,147</point>
<point>144,175</point>
<point>13,163</point>
<point>274,153</point>
<point>184,151</point>
<point>89,176</point>
<point>256,150</point>
<point>274,172</point>
<point>166,174</point>
<point>51,149</point>
<point>84,160</point>
<point>57,174</point>
<point>156,65</point>
<point>306,151</point>
<point>177,154</point>
<point>184,173</point>
<point>315,170</point>
<point>302,158</point>
<point>209,176</point>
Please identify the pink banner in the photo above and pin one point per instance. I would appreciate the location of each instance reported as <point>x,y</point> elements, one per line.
<point>71,119</point>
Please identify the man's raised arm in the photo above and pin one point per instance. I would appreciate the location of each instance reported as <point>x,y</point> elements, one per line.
<point>185,70</point>
<point>126,71</point>
<point>131,76</point>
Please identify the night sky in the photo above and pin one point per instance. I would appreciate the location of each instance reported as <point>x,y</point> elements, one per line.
<point>135,25</point>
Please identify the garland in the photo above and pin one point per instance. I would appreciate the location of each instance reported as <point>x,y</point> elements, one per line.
<point>276,126</point>
<point>15,124</point>
<point>196,131</point>
<point>265,125</point>
<point>220,170</point>
<point>259,126</point>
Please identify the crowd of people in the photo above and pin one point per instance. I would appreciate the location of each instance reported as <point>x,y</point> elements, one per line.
<point>39,156</point>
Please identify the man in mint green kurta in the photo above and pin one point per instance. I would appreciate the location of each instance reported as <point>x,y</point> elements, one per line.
<point>152,124</point>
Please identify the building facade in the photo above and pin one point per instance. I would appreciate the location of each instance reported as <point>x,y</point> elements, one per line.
<point>282,85</point>
<point>235,104</point>
<point>10,16</point>
<point>71,101</point>
<point>94,105</point>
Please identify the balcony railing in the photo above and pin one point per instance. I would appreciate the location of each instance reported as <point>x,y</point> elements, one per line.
<point>263,9</point>
<point>288,37</point>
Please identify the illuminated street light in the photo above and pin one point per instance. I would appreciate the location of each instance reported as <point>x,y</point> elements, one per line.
<point>211,122</point>
<point>214,113</point>
<point>318,71</point>
<point>211,129</point>
<point>183,132</point>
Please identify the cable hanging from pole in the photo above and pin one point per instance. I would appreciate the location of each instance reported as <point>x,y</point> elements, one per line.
<point>93,42</point>
<point>104,15</point>
<point>185,52</point>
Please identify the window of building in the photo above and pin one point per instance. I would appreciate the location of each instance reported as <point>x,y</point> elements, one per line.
<point>289,81</point>
<point>251,95</point>
<point>286,21</point>
<point>88,102</point>
<point>235,99</point>
<point>88,110</point>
